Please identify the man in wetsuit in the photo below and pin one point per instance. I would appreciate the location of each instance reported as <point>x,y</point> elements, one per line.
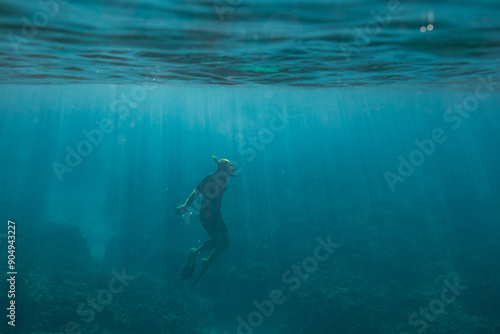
<point>212,188</point>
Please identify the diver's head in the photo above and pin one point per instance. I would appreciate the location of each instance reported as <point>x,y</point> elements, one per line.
<point>224,165</point>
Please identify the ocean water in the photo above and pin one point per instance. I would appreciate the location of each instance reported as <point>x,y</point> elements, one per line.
<point>365,140</point>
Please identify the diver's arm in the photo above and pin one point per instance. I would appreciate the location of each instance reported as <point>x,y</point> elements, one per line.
<point>183,208</point>
<point>191,198</point>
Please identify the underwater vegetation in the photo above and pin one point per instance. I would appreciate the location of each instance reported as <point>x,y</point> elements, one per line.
<point>420,277</point>
<point>64,290</point>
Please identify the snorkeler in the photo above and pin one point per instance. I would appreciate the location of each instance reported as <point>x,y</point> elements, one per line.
<point>212,188</point>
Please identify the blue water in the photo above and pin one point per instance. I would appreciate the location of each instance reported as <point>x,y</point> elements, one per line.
<point>365,139</point>
<point>299,43</point>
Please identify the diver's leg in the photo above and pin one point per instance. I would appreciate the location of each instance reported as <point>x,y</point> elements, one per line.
<point>221,240</point>
<point>193,255</point>
<point>208,245</point>
<point>208,224</point>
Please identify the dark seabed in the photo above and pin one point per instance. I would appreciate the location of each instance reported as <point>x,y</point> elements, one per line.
<point>366,145</point>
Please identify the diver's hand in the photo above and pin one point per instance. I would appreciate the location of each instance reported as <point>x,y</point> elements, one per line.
<point>181,210</point>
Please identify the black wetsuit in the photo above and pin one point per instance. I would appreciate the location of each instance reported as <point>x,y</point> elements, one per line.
<point>212,188</point>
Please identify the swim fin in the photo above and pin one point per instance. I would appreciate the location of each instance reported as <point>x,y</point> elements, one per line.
<point>203,269</point>
<point>189,267</point>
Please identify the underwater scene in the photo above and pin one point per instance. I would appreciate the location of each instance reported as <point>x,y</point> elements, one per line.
<point>249,166</point>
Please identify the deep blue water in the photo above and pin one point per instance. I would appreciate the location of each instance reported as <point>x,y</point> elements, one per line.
<point>365,139</point>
